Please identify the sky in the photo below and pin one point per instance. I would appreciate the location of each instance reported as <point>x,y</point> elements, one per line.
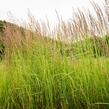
<point>40,9</point>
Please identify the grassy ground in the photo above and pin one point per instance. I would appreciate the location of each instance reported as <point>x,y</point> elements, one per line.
<point>71,72</point>
<point>42,78</point>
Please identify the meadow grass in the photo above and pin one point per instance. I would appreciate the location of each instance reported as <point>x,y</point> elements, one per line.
<point>42,78</point>
<point>42,73</point>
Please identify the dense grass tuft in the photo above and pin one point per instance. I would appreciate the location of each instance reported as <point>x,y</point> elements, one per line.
<point>68,71</point>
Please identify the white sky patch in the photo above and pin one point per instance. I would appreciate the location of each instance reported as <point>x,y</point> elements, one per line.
<point>41,8</point>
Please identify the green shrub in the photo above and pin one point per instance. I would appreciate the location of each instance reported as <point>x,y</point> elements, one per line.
<point>2,47</point>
